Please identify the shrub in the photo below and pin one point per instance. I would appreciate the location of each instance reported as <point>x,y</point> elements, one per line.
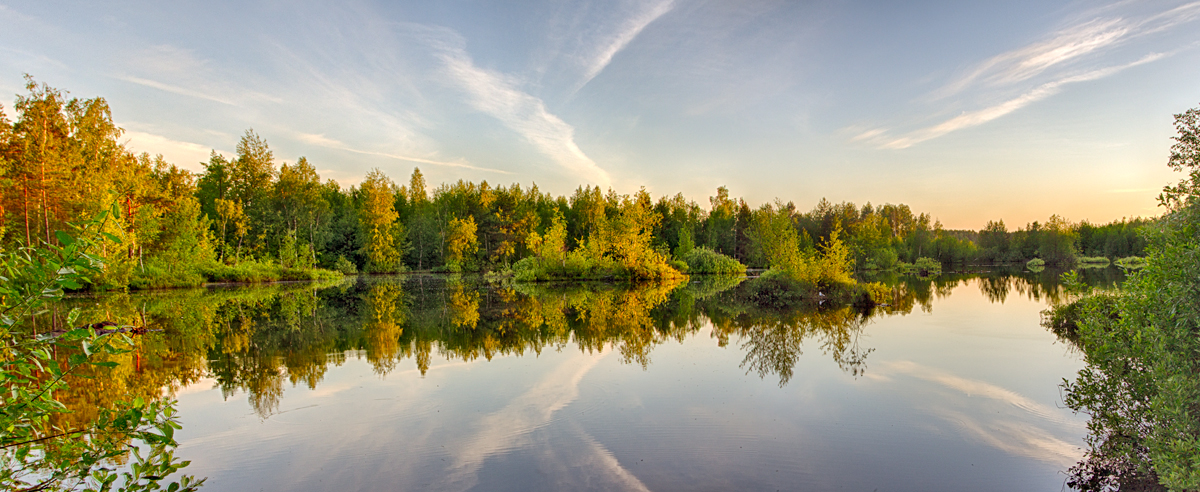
<point>38,455</point>
<point>1131,262</point>
<point>927,266</point>
<point>1092,262</point>
<point>923,267</point>
<point>345,266</point>
<point>255,271</point>
<point>153,276</point>
<point>705,260</point>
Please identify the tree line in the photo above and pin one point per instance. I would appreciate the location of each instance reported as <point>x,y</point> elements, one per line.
<point>249,218</point>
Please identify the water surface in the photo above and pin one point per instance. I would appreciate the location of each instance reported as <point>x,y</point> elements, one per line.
<point>446,383</point>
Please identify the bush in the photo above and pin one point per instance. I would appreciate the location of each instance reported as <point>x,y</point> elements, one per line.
<point>34,370</point>
<point>345,266</point>
<point>155,277</point>
<point>1092,262</point>
<point>254,271</point>
<point>576,265</point>
<point>927,266</point>
<point>923,267</point>
<point>1131,262</point>
<point>705,260</point>
<point>1036,264</point>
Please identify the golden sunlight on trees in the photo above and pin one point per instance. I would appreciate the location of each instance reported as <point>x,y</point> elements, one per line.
<point>249,218</point>
<point>461,243</point>
<point>384,241</point>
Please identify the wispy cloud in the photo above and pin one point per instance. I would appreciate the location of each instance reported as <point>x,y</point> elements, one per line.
<point>1037,71</point>
<point>1024,63</point>
<point>187,75</point>
<point>323,141</point>
<point>532,410</point>
<point>494,94</point>
<point>621,38</point>
<point>174,89</point>
<point>969,119</point>
<point>1018,425</point>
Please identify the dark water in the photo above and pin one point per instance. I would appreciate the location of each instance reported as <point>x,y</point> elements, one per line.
<point>446,383</point>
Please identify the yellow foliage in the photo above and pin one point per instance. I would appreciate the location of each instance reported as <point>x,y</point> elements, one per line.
<point>461,242</point>
<point>378,218</point>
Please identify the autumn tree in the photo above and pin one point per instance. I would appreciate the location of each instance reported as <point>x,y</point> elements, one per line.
<point>383,234</point>
<point>461,243</point>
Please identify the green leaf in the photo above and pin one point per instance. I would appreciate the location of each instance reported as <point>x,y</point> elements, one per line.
<point>64,238</point>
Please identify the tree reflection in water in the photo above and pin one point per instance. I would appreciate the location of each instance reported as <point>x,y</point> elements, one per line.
<point>259,339</point>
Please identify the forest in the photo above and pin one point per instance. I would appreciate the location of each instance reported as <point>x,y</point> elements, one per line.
<point>249,218</point>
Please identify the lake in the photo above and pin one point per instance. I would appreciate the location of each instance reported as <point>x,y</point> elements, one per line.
<point>428,382</point>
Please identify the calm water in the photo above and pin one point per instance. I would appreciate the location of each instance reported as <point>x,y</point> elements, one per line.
<point>443,383</point>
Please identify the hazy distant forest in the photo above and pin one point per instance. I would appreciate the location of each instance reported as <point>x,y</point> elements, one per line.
<point>250,218</point>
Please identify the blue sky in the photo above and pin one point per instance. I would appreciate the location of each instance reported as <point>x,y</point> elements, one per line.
<point>967,110</point>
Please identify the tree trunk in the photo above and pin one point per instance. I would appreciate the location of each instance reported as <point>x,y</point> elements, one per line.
<point>25,207</point>
<point>42,179</point>
<point>45,208</point>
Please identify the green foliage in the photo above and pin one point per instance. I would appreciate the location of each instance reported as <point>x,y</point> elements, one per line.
<point>255,271</point>
<point>686,244</point>
<point>1131,262</point>
<point>704,260</point>
<point>345,266</point>
<point>1113,240</point>
<point>37,454</point>
<point>923,267</point>
<point>172,224</point>
<point>881,259</point>
<point>1093,261</point>
<point>1036,264</point>
<point>781,244</point>
<point>158,274</point>
<point>1142,382</point>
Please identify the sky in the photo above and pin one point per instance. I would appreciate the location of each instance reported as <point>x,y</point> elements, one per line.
<point>970,111</point>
